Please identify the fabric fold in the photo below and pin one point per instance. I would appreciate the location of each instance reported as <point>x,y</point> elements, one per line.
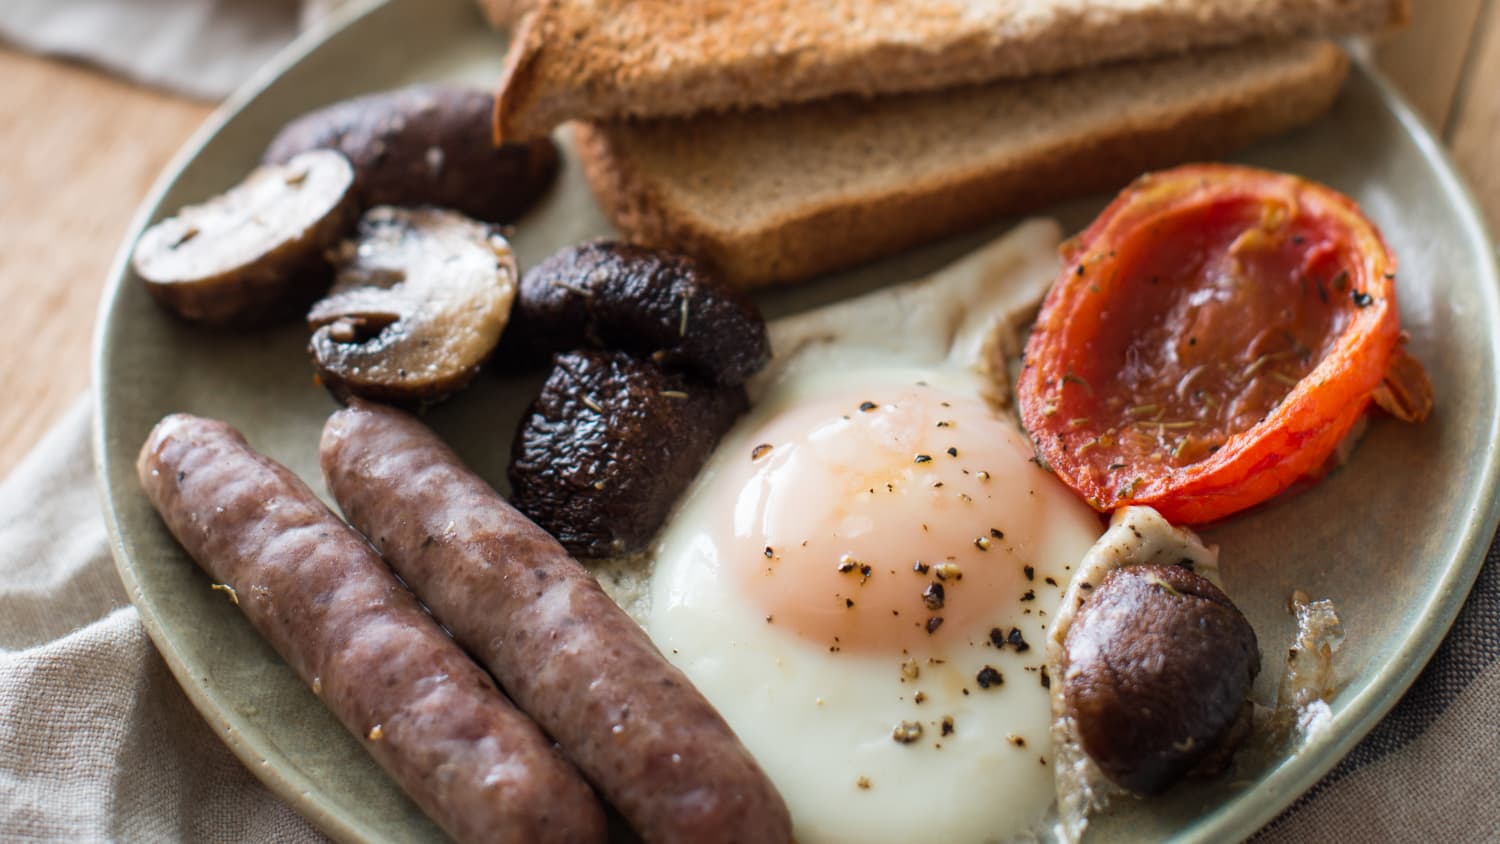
<point>202,48</point>
<point>97,741</point>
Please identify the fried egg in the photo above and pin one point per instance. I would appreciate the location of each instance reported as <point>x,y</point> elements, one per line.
<point>862,578</point>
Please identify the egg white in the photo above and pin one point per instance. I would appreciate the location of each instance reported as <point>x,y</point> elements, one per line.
<point>821,722</point>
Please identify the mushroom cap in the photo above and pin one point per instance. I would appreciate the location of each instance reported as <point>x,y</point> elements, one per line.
<point>427,145</point>
<point>1159,664</point>
<point>654,304</point>
<point>610,444</point>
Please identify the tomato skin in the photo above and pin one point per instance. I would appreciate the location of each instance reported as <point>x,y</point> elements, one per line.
<point>1083,382</point>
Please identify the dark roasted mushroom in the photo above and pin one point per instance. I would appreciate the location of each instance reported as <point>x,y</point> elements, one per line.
<point>656,305</point>
<point>421,298</point>
<point>1158,668</point>
<point>427,145</point>
<point>609,445</point>
<point>255,251</point>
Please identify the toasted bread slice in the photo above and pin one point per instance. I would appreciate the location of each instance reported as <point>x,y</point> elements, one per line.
<point>783,195</point>
<point>605,59</point>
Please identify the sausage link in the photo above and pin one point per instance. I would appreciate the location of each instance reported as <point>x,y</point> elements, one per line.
<point>569,656</point>
<point>481,769</point>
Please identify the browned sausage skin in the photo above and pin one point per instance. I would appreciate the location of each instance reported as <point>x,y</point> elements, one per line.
<point>562,649</point>
<point>314,588</point>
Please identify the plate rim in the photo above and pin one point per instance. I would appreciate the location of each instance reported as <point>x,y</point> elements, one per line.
<point>1280,788</point>
<point>289,783</point>
<point>1298,775</point>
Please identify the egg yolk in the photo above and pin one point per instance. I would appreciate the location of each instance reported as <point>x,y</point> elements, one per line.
<point>899,518</point>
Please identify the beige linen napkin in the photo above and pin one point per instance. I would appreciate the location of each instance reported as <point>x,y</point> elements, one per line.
<point>203,48</point>
<point>97,742</point>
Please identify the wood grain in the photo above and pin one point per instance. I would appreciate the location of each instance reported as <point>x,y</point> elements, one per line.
<point>85,147</point>
<point>1474,131</point>
<point>1427,59</point>
<point>82,148</point>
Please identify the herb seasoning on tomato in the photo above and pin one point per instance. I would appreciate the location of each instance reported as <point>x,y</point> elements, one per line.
<point>1215,333</point>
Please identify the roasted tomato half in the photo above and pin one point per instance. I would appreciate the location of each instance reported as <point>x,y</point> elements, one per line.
<point>1215,334</point>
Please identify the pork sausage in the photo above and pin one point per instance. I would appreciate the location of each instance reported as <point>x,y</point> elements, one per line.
<point>569,656</point>
<point>318,593</point>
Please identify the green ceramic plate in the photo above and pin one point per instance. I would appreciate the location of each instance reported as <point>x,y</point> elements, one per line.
<point>1396,538</point>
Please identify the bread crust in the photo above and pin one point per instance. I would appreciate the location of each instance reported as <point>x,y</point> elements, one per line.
<point>833,230</point>
<point>606,59</point>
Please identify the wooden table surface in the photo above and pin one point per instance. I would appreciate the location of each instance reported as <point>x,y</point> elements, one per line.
<point>82,148</point>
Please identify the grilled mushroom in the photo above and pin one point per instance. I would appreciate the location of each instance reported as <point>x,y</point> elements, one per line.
<point>426,145</point>
<point>1158,670</point>
<point>419,303</point>
<point>609,445</point>
<point>656,305</point>
<point>255,251</point>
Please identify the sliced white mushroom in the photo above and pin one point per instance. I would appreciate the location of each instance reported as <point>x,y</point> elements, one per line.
<point>256,250</point>
<point>419,302</point>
